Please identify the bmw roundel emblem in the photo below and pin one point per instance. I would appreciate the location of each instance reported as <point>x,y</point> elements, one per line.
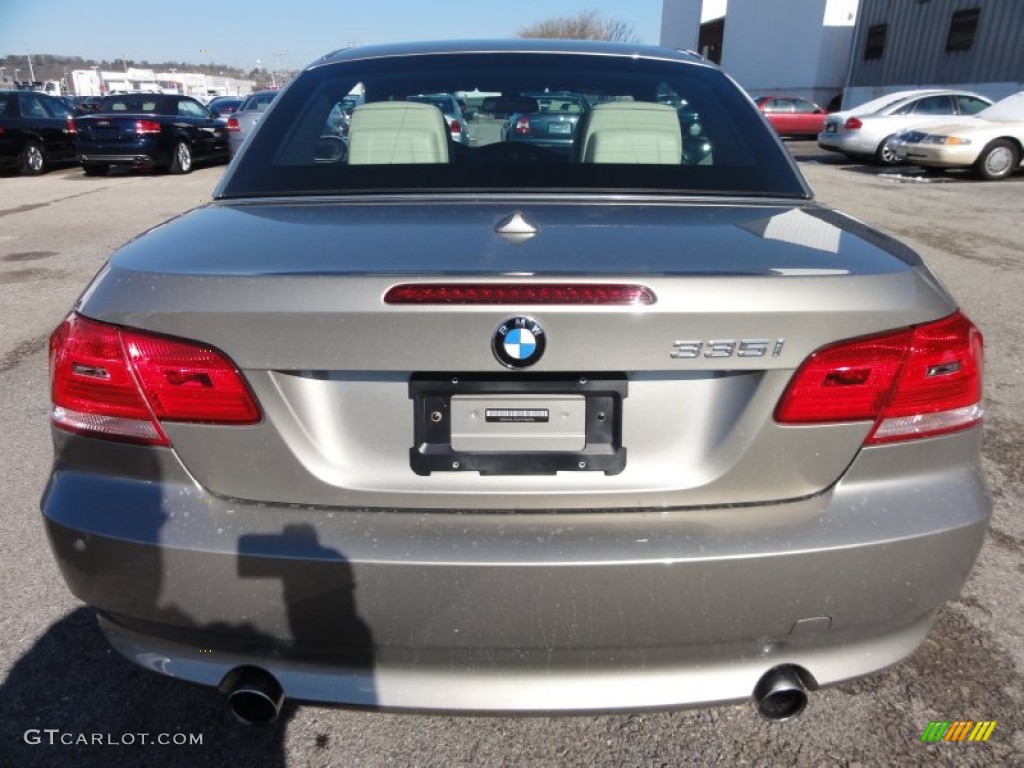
<point>518,342</point>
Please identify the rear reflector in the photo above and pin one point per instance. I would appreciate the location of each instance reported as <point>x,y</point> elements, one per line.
<point>117,383</point>
<point>519,293</point>
<point>918,382</point>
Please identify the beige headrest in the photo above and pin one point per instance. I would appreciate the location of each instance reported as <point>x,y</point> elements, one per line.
<point>632,132</point>
<point>390,132</point>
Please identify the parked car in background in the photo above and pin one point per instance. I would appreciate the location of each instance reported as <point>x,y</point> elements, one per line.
<point>452,111</point>
<point>990,142</point>
<point>149,130</point>
<point>34,132</point>
<point>544,120</point>
<point>340,117</point>
<point>223,106</point>
<point>247,115</point>
<point>864,132</point>
<point>501,427</point>
<point>792,115</point>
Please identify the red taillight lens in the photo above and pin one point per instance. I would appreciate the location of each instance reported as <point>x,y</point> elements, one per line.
<point>519,293</point>
<point>116,383</point>
<point>456,127</point>
<point>853,124</point>
<point>233,124</point>
<point>72,128</point>
<point>147,126</point>
<point>920,382</point>
<point>523,125</point>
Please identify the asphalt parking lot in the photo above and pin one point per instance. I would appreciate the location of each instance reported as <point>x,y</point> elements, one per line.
<point>61,682</point>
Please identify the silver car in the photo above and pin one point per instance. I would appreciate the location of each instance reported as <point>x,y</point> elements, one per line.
<point>458,126</point>
<point>241,123</point>
<point>863,132</point>
<point>502,428</point>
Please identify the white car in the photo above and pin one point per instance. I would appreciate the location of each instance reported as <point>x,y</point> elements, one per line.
<point>990,142</point>
<point>864,131</point>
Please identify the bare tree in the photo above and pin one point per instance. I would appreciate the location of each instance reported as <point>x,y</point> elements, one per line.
<point>586,25</point>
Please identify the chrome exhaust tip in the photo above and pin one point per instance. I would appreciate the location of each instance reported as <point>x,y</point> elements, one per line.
<point>781,694</point>
<point>254,696</point>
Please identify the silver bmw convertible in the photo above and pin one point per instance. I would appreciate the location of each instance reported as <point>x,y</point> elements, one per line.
<point>494,427</point>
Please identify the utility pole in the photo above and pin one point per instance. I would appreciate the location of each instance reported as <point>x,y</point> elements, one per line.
<point>31,72</point>
<point>278,56</point>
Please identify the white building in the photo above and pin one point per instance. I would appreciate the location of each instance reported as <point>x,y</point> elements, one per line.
<point>93,82</point>
<point>793,47</point>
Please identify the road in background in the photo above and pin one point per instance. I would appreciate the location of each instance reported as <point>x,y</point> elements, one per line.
<point>58,672</point>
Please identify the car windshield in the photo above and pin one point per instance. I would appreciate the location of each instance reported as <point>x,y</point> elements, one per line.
<point>550,121</point>
<point>561,103</point>
<point>445,103</point>
<point>1010,109</point>
<point>258,102</point>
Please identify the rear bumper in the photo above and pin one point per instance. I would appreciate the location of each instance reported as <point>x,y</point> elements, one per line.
<point>136,160</point>
<point>532,681</point>
<point>933,156</point>
<point>491,611</point>
<point>851,143</point>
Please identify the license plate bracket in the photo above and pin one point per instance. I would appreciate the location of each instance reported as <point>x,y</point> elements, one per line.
<point>595,400</point>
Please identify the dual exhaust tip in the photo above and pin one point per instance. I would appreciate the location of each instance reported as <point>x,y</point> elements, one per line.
<point>255,696</point>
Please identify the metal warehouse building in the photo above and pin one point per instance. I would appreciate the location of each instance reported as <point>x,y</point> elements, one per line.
<point>898,44</point>
<point>864,48</point>
<point>792,47</point>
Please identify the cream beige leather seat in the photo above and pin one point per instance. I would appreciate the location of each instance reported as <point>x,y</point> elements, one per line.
<point>390,132</point>
<point>632,132</point>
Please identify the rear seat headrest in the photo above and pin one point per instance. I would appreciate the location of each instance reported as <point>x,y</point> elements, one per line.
<point>392,132</point>
<point>631,132</point>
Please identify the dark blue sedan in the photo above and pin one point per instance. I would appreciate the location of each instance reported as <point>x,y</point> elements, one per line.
<point>34,132</point>
<point>149,130</point>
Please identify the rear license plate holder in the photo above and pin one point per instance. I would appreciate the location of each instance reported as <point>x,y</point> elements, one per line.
<point>538,424</point>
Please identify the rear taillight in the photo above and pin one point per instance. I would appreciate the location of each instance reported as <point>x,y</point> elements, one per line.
<point>119,384</point>
<point>147,126</point>
<point>72,128</point>
<point>853,124</point>
<point>523,126</point>
<point>233,124</point>
<point>919,382</point>
<point>456,127</point>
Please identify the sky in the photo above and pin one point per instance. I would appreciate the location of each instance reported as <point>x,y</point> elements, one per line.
<point>291,33</point>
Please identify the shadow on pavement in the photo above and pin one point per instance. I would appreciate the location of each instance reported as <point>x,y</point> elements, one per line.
<point>71,680</point>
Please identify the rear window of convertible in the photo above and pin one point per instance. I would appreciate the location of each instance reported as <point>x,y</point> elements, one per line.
<point>525,122</point>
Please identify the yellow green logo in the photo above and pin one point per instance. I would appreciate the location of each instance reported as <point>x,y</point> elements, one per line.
<point>958,730</point>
